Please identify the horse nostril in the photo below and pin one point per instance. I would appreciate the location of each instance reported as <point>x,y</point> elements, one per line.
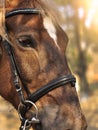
<point>85,127</point>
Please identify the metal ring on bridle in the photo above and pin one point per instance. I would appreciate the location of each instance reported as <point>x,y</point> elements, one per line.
<point>35,107</point>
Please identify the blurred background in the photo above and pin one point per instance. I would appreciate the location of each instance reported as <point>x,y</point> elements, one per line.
<point>80,21</point>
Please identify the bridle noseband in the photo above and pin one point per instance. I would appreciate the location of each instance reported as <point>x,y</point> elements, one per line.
<point>26,104</point>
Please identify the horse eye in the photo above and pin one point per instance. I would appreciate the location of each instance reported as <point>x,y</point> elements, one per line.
<point>26,41</point>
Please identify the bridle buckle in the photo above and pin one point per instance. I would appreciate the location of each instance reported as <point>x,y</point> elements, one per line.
<point>26,122</point>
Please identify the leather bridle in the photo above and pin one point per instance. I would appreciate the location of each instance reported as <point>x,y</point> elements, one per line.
<point>26,104</point>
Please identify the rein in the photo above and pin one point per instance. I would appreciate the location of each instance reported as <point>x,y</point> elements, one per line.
<point>26,104</point>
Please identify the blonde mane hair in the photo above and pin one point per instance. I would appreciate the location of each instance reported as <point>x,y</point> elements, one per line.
<point>2,18</point>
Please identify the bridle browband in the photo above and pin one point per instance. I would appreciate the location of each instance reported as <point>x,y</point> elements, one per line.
<point>26,104</point>
<point>22,11</point>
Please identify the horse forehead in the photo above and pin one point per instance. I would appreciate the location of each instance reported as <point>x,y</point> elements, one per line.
<point>51,29</point>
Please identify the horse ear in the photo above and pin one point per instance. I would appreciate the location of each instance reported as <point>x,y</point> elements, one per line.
<point>62,38</point>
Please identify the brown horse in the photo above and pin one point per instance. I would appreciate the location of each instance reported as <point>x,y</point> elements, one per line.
<point>35,49</point>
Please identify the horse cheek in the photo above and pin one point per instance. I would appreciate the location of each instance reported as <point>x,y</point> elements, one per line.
<point>28,68</point>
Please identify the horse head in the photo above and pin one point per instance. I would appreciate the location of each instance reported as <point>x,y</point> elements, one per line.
<point>38,46</point>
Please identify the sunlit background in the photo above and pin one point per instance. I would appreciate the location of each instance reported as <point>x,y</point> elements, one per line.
<point>92,9</point>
